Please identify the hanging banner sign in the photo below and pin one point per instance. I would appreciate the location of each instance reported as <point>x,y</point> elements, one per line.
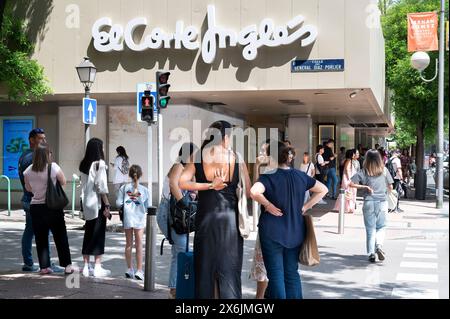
<point>422,31</point>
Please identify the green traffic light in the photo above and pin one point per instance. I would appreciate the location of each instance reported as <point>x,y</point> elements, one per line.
<point>163,102</point>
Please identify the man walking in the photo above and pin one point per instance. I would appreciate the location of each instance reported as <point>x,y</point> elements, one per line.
<point>332,178</point>
<point>394,167</point>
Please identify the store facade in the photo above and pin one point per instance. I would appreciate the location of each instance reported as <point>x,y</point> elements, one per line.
<point>312,69</point>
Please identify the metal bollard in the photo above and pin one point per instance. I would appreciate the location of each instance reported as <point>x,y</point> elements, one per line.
<point>75,179</point>
<point>150,250</point>
<point>341,211</point>
<point>8,182</point>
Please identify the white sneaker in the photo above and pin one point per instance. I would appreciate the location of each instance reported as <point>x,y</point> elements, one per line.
<point>139,275</point>
<point>99,271</point>
<point>87,270</point>
<point>129,273</point>
<point>322,202</point>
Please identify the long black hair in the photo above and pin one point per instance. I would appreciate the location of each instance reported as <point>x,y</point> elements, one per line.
<point>221,127</point>
<point>94,152</point>
<point>121,151</point>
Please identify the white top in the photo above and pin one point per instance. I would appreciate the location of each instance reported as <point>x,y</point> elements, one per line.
<point>320,160</point>
<point>94,184</point>
<point>166,188</point>
<point>308,168</point>
<point>397,164</point>
<point>119,177</point>
<point>36,182</point>
<point>134,205</point>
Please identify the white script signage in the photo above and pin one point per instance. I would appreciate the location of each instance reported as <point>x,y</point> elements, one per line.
<point>251,37</point>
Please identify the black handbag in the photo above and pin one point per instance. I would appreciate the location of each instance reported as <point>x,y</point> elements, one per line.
<point>55,196</point>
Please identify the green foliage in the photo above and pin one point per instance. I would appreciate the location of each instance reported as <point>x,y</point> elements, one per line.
<point>414,101</point>
<point>24,77</point>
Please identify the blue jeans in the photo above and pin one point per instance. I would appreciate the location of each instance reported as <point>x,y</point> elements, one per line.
<point>27,237</point>
<point>179,246</point>
<point>332,177</point>
<point>375,221</point>
<point>282,269</point>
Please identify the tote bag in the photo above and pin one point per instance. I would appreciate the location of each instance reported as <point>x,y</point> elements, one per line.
<point>309,252</point>
<point>55,197</point>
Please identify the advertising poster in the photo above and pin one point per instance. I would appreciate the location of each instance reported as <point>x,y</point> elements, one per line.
<point>422,31</point>
<point>15,141</point>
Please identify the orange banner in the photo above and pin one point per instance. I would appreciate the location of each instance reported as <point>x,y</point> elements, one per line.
<point>422,31</point>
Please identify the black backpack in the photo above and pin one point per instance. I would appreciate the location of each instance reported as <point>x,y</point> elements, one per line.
<point>178,217</point>
<point>390,168</point>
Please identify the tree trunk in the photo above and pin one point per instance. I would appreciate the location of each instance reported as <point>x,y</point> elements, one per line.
<point>420,146</point>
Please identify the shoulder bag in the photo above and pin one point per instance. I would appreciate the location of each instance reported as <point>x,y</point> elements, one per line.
<point>55,197</point>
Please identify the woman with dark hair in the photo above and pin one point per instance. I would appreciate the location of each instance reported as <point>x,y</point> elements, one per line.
<point>121,166</point>
<point>44,218</point>
<point>281,193</point>
<point>96,207</point>
<point>350,193</point>
<point>134,199</point>
<point>218,245</point>
<point>376,181</point>
<point>182,199</point>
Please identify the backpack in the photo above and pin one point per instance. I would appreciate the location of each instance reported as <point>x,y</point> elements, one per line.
<point>125,167</point>
<point>390,167</point>
<point>180,218</point>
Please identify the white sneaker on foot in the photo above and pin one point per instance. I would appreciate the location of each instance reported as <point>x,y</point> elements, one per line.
<point>139,275</point>
<point>129,273</point>
<point>99,271</point>
<point>88,270</point>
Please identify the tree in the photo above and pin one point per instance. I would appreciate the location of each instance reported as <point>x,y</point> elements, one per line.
<point>24,77</point>
<point>414,101</point>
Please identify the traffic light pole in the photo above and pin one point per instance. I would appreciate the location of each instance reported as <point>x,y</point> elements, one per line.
<point>160,154</point>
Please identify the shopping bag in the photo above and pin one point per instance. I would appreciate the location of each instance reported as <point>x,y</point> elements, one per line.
<point>392,198</point>
<point>309,252</point>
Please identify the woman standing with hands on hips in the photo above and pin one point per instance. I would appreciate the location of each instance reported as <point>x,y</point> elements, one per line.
<point>281,192</point>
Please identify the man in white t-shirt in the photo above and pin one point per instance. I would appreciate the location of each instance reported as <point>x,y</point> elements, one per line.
<point>398,178</point>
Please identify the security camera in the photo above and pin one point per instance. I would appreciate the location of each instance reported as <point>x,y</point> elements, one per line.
<point>420,61</point>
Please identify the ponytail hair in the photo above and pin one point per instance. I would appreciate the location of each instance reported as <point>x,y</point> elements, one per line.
<point>135,172</point>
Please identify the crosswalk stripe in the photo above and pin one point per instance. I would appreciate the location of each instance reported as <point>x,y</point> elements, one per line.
<point>412,293</point>
<point>412,243</point>
<point>425,256</point>
<point>418,264</point>
<point>416,277</point>
<point>433,250</point>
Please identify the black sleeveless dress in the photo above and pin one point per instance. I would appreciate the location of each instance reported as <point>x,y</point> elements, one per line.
<point>218,246</point>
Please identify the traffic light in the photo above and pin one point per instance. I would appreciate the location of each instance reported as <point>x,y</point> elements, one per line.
<point>162,89</point>
<point>147,107</point>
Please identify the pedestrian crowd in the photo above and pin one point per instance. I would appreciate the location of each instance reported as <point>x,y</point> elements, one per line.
<point>205,192</point>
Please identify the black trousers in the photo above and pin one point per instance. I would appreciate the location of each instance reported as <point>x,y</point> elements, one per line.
<point>45,220</point>
<point>94,235</point>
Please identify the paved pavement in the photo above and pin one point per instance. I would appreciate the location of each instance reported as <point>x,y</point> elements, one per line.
<point>417,264</point>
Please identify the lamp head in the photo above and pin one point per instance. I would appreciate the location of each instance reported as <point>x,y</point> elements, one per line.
<point>420,60</point>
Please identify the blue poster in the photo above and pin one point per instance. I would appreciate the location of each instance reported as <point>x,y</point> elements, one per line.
<point>15,141</point>
<point>322,65</point>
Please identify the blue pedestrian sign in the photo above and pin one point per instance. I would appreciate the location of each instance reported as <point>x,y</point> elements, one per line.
<point>90,111</point>
<point>140,88</point>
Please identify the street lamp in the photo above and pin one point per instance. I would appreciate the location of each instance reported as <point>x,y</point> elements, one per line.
<point>86,73</point>
<point>420,61</point>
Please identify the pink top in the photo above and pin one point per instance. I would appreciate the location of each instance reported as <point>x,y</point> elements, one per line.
<point>36,182</point>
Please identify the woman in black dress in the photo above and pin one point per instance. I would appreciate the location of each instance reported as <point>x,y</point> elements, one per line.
<point>218,245</point>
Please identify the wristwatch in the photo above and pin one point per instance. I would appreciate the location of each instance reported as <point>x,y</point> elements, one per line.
<point>210,186</point>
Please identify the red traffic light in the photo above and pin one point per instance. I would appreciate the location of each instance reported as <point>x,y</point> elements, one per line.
<point>163,77</point>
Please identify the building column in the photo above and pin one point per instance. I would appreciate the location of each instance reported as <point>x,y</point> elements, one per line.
<point>299,132</point>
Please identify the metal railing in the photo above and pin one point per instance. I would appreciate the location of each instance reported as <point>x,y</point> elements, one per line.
<point>9,192</point>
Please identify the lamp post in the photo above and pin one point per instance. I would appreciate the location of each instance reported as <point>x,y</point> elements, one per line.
<point>420,61</point>
<point>86,73</point>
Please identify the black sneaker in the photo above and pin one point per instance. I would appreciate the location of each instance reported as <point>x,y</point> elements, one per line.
<point>381,255</point>
<point>372,258</point>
